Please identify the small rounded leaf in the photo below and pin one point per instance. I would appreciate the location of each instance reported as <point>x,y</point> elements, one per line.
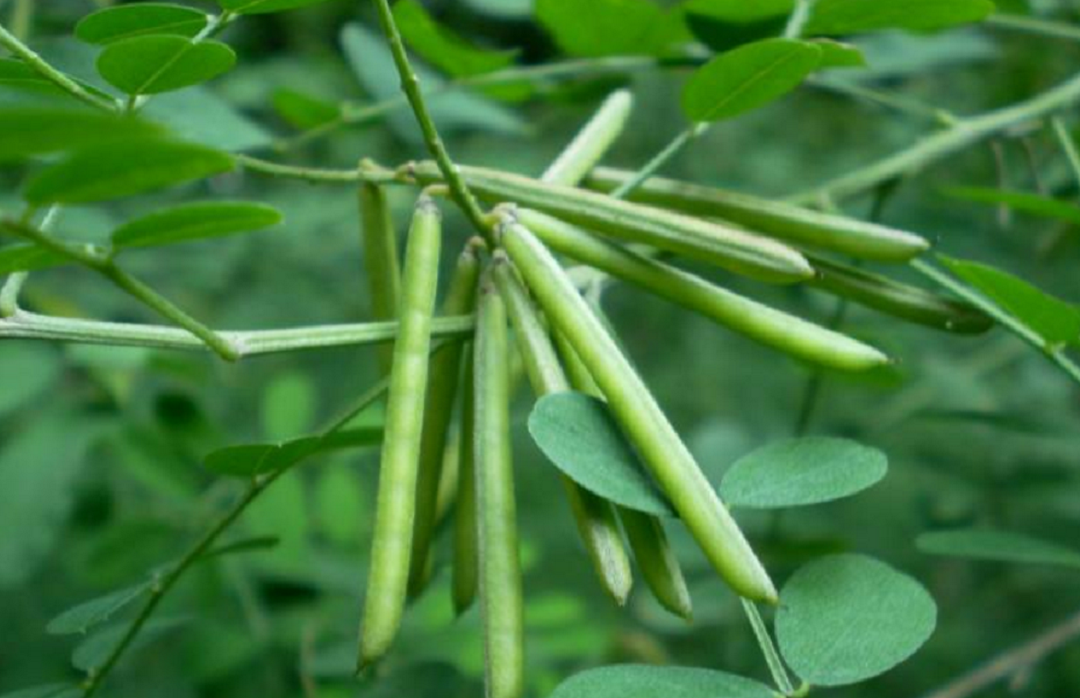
<point>644,681</point>
<point>997,546</point>
<point>846,618</point>
<point>796,472</point>
<point>195,221</point>
<point>578,434</point>
<point>748,77</point>
<point>126,21</point>
<point>146,65</point>
<point>34,130</point>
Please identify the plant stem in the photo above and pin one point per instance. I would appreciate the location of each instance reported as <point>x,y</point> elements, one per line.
<point>772,657</point>
<point>1034,25</point>
<point>410,84</point>
<point>798,18</point>
<point>24,52</point>
<point>9,295</point>
<point>1057,356</point>
<point>899,104</point>
<point>1068,145</point>
<point>368,173</point>
<point>22,18</point>
<point>169,579</point>
<point>660,159</point>
<point>965,132</point>
<point>1014,661</point>
<point>21,324</point>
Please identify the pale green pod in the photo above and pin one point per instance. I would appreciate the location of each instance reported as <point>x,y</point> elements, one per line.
<point>774,328</point>
<point>381,265</point>
<point>394,509</point>
<point>645,424</point>
<point>465,557</point>
<point>592,141</point>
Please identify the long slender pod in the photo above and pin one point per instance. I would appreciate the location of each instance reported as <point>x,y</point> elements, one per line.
<point>592,141</point>
<point>396,502</point>
<point>465,560</point>
<point>774,328</point>
<point>383,270</point>
<point>500,569</point>
<point>660,447</point>
<point>707,241</point>
<point>804,226</point>
<point>594,516</point>
<point>654,555</point>
<point>443,376</point>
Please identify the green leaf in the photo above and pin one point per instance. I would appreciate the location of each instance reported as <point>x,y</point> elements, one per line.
<point>646,681</point>
<point>302,110</point>
<point>160,63</point>
<point>126,21</point>
<point>52,690</point>
<point>16,75</point>
<point>725,24</point>
<point>195,221</point>
<point>86,615</point>
<point>601,27</point>
<point>33,130</point>
<point>836,54</point>
<point>1053,319</point>
<point>578,434</point>
<point>748,77</point>
<point>1024,202</point>
<point>846,618</point>
<point>442,47</point>
<point>834,17</point>
<point>796,472</point>
<point>999,546</point>
<point>26,370</point>
<point>91,652</point>
<point>249,460</point>
<point>259,7</point>
<point>100,173</point>
<point>28,257</point>
<point>244,545</point>
<point>197,115</point>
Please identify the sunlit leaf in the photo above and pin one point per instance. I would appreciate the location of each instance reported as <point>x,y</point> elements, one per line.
<point>846,618</point>
<point>442,47</point>
<point>32,130</point>
<point>748,77</point>
<point>796,472</point>
<point>86,615</point>
<point>601,27</point>
<point>834,17</point>
<point>835,54</point>
<point>578,434</point>
<point>126,21</point>
<point>1024,202</point>
<point>195,221</point>
<point>99,173</point>
<point>161,63</point>
<point>646,681</point>
<point>999,546</point>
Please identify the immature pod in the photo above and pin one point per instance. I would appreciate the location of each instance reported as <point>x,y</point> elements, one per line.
<point>500,570</point>
<point>594,516</point>
<point>444,372</point>
<point>898,299</point>
<point>738,250</point>
<point>592,141</point>
<point>760,322</point>
<point>646,425</point>
<point>381,264</point>
<point>465,565</point>
<point>804,226</point>
<point>396,502</point>
<point>654,555</point>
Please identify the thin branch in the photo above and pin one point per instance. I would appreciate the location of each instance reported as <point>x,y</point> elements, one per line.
<point>1068,145</point>
<point>367,173</point>
<point>660,159</point>
<point>772,657</point>
<point>897,103</point>
<point>1034,25</point>
<point>42,67</point>
<point>1014,661</point>
<point>25,325</point>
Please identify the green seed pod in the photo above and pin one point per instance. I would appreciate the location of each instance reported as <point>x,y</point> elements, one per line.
<point>654,555</point>
<point>738,250</point>
<point>380,260</point>
<point>592,141</point>
<point>395,506</point>
<point>771,327</point>
<point>660,447</point>
<point>594,516</point>
<point>899,300</point>
<point>444,372</point>
<point>500,568</point>
<point>465,555</point>
<point>803,226</point>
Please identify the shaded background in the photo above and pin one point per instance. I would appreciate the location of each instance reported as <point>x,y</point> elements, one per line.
<point>100,449</point>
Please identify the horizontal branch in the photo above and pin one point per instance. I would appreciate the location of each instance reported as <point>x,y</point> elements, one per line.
<point>366,173</point>
<point>26,325</point>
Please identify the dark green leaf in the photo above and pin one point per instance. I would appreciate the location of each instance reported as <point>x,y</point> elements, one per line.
<point>258,7</point>
<point>52,690</point>
<point>846,618</point>
<point>796,472</point>
<point>250,460</point>
<point>86,615</point>
<point>195,221</point>
<point>1000,546</point>
<point>33,130</point>
<point>17,75</point>
<point>246,545</point>
<point>1025,202</point>
<point>601,27</point>
<point>646,681</point>
<point>126,21</point>
<point>151,64</point>
<point>834,17</point>
<point>100,173</point>
<point>442,47</point>
<point>28,257</point>
<point>835,54</point>
<point>1054,320</point>
<point>302,110</point>
<point>91,652</point>
<point>724,24</point>
<point>578,434</point>
<point>25,371</point>
<point>748,77</point>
